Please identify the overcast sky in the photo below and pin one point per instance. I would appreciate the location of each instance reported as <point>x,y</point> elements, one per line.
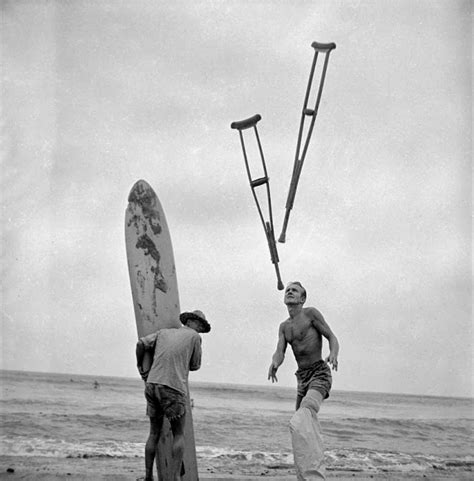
<point>97,95</point>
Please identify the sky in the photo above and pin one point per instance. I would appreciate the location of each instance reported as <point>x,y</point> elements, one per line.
<point>97,95</point>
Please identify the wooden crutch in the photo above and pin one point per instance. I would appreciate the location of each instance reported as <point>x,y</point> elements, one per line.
<point>254,183</point>
<point>325,49</point>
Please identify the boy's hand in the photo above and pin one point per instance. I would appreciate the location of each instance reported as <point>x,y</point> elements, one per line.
<point>143,373</point>
<point>332,361</point>
<point>272,372</point>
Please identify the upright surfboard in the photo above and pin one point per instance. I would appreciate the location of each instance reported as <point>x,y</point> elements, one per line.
<point>155,299</point>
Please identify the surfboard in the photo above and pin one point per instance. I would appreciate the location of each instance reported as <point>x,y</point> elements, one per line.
<point>155,296</point>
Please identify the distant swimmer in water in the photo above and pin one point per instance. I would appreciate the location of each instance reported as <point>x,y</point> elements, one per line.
<point>96,385</point>
<point>304,330</point>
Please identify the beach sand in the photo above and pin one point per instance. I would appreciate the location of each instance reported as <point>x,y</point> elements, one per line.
<point>125,469</point>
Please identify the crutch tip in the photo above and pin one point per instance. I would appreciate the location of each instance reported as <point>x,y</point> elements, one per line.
<point>282,238</point>
<point>280,286</point>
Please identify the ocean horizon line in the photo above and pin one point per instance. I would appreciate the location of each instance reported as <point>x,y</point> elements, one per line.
<point>238,385</point>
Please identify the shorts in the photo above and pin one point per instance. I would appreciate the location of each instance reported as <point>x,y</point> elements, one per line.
<point>163,400</point>
<point>317,376</point>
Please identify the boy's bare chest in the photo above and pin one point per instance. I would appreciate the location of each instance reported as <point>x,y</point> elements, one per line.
<point>298,330</point>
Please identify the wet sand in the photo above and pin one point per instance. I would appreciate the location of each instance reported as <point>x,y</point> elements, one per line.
<point>118,469</point>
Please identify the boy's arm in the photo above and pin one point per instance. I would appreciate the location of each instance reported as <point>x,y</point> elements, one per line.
<point>322,326</point>
<point>279,355</point>
<point>144,344</point>
<point>140,353</point>
<point>195,362</point>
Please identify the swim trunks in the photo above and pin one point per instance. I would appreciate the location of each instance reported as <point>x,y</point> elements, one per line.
<point>317,376</point>
<point>163,400</point>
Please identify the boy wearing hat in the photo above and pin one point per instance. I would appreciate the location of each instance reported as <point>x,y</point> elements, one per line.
<point>175,353</point>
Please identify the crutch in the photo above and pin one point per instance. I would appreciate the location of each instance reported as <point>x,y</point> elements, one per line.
<point>254,183</point>
<point>323,48</point>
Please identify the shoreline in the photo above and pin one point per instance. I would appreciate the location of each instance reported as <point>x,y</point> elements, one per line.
<point>44,468</point>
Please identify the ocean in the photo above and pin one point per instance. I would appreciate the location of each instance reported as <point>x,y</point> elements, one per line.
<point>238,428</point>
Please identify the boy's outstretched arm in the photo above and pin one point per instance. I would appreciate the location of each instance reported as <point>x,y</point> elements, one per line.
<point>278,356</point>
<point>322,326</point>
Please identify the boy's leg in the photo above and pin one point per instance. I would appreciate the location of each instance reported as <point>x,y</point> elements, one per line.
<point>151,446</point>
<point>177,427</point>
<point>306,438</point>
<point>155,413</point>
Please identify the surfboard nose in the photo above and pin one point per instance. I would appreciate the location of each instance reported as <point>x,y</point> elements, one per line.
<point>141,192</point>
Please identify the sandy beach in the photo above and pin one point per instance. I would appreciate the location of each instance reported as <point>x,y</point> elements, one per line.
<point>53,428</point>
<point>49,468</point>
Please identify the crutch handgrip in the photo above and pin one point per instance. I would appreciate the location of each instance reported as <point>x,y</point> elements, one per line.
<point>247,123</point>
<point>323,47</point>
<point>257,182</point>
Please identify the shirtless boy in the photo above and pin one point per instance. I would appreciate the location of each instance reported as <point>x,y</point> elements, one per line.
<point>304,330</point>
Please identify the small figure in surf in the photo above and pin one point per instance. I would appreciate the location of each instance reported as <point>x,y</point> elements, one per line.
<point>304,330</point>
<point>175,353</point>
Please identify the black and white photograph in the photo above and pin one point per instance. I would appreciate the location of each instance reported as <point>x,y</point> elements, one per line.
<point>236,240</point>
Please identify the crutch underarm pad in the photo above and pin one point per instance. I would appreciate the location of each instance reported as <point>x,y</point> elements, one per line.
<point>323,47</point>
<point>246,124</point>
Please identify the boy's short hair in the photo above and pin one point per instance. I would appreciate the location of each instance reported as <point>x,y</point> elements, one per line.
<point>298,283</point>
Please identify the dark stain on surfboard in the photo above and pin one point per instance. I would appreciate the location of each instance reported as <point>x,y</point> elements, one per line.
<point>144,196</point>
<point>141,279</point>
<point>144,242</point>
